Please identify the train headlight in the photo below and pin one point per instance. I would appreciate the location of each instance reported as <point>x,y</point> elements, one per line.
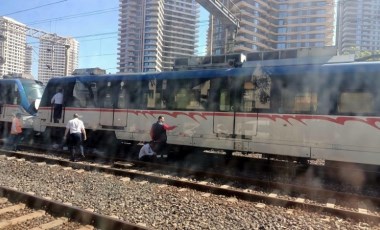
<point>37,103</point>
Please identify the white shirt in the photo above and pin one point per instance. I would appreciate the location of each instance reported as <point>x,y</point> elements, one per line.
<point>57,98</point>
<point>75,125</point>
<point>146,150</point>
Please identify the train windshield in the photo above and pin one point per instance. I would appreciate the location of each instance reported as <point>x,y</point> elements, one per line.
<point>33,90</point>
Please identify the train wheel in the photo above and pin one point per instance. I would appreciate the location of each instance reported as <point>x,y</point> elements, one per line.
<point>129,150</point>
<point>102,144</point>
<point>228,156</point>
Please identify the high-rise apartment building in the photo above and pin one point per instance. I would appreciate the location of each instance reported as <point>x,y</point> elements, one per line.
<point>12,46</point>
<point>358,25</point>
<point>57,58</point>
<point>273,24</point>
<point>152,33</point>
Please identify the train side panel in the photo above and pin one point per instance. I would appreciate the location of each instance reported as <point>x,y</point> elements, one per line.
<point>329,112</point>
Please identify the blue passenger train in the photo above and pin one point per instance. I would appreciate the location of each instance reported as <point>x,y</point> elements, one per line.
<point>298,111</point>
<point>18,95</point>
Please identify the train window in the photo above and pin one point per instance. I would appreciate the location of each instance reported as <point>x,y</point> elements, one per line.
<point>305,102</point>
<point>248,103</point>
<point>298,102</point>
<point>104,91</point>
<point>82,95</point>
<point>123,99</point>
<point>11,94</point>
<point>137,94</point>
<point>287,101</point>
<point>6,94</point>
<point>107,100</point>
<point>263,84</point>
<point>256,93</point>
<point>189,94</point>
<point>94,99</point>
<point>151,96</point>
<point>33,91</point>
<point>204,95</point>
<point>49,92</point>
<point>356,103</point>
<point>181,98</point>
<point>156,94</point>
<point>224,103</point>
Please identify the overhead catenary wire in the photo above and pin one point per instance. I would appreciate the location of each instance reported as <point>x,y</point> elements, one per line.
<point>33,8</point>
<point>67,17</point>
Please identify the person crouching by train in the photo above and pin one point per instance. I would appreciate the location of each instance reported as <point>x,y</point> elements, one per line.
<point>159,137</point>
<point>57,101</point>
<point>16,132</point>
<point>75,141</point>
<point>146,153</point>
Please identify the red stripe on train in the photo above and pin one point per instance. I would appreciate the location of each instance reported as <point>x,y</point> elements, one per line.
<point>341,120</point>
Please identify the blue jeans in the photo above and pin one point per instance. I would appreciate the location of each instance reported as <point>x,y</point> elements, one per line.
<point>15,140</point>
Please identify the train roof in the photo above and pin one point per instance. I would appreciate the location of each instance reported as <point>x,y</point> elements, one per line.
<point>24,80</point>
<point>231,72</point>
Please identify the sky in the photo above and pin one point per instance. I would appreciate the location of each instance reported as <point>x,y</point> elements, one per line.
<point>93,23</point>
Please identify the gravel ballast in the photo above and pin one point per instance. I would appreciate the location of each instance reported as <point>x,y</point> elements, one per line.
<point>159,206</point>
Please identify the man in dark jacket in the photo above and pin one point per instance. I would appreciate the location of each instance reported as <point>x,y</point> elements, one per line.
<point>158,135</point>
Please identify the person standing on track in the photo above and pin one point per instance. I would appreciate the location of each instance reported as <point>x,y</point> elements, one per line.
<point>76,128</point>
<point>57,101</point>
<point>159,137</point>
<point>16,131</point>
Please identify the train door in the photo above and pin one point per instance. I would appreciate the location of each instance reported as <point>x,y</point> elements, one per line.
<point>122,100</point>
<point>114,99</point>
<point>222,93</point>
<point>246,116</point>
<point>45,111</point>
<point>47,115</point>
<point>106,105</point>
<point>253,94</point>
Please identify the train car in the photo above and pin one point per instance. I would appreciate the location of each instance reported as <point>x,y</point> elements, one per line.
<point>18,95</point>
<point>311,111</point>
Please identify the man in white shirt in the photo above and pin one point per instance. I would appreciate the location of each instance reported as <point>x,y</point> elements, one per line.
<point>57,101</point>
<point>76,128</point>
<point>146,153</point>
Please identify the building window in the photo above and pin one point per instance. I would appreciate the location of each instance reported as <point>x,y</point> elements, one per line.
<point>281,30</point>
<point>281,46</point>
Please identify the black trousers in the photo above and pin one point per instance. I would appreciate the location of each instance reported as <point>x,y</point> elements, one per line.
<point>57,112</point>
<point>159,147</point>
<point>15,140</point>
<point>75,142</point>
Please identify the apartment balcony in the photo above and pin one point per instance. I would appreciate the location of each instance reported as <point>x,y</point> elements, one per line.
<point>129,3</point>
<point>259,35</point>
<point>242,49</point>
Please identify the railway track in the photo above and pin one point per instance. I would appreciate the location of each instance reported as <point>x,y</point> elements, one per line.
<point>19,210</point>
<point>344,205</point>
